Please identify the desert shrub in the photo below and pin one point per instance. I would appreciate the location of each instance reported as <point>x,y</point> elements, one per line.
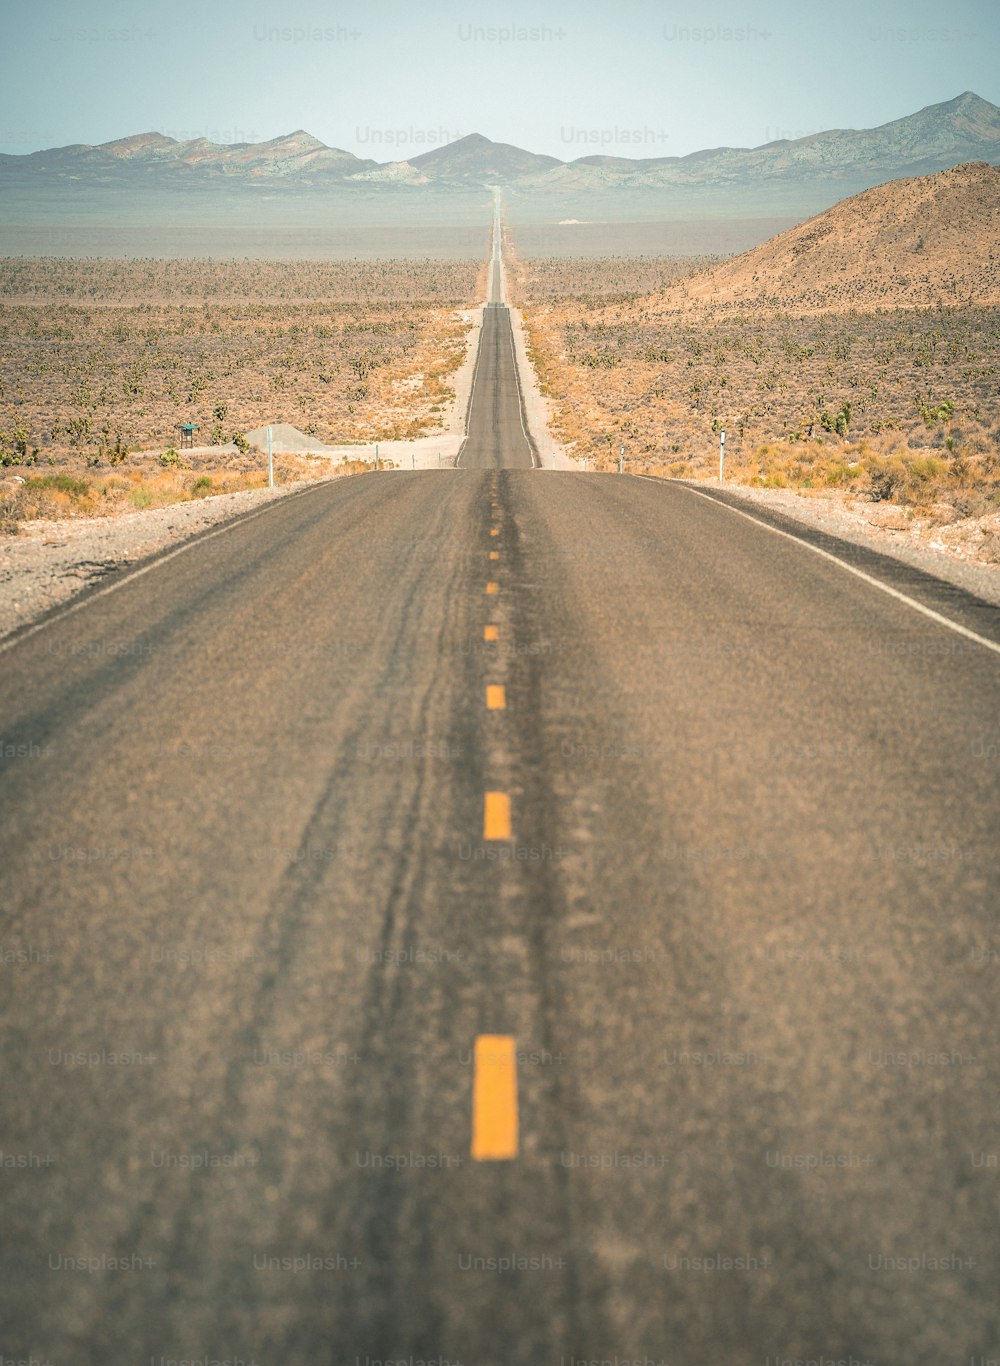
<point>887,481</point>
<point>836,422</point>
<point>88,347</point>
<point>64,483</point>
<point>15,448</point>
<point>838,473</point>
<point>11,514</point>
<point>932,416</point>
<point>926,470</point>
<point>48,496</point>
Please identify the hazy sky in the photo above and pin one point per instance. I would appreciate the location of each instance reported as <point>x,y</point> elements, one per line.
<point>388,79</point>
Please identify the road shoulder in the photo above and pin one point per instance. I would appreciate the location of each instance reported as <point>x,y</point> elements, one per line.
<point>839,524</point>
<point>51,562</point>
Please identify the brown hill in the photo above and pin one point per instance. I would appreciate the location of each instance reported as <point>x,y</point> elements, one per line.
<point>905,244</point>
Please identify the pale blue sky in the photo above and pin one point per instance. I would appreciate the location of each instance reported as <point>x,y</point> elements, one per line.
<point>390,79</point>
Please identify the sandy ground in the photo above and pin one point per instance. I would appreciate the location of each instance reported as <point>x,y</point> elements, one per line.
<point>426,453</point>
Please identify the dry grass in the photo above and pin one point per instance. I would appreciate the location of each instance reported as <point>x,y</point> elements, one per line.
<point>940,484</point>
<point>70,493</point>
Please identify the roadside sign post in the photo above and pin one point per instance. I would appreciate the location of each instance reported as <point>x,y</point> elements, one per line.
<point>722,456</point>
<point>376,455</point>
<point>621,461</point>
<point>270,461</point>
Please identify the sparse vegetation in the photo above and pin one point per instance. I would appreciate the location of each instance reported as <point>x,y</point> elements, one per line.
<point>101,360</point>
<point>826,359</point>
<point>55,496</point>
<point>597,281</point>
<point>830,392</point>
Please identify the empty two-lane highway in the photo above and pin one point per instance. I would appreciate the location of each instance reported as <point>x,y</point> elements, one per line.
<point>506,918</point>
<point>497,430</point>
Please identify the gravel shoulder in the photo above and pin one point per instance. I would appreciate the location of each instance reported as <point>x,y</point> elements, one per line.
<point>948,552</point>
<point>49,562</point>
<point>538,409</point>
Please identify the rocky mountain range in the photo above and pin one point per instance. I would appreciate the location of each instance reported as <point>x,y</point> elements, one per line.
<point>964,129</point>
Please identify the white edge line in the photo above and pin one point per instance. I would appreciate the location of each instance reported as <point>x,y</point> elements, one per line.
<point>858,573</point>
<point>521,407</point>
<point>87,598</point>
<point>520,396</point>
<point>472,384</point>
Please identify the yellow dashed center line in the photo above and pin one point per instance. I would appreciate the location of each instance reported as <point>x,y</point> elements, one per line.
<point>494,1086</point>
<point>496,816</point>
<point>494,1099</point>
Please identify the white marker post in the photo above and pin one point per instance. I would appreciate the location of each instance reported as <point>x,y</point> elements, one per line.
<point>270,462</point>
<point>621,461</point>
<point>376,455</point>
<point>722,456</point>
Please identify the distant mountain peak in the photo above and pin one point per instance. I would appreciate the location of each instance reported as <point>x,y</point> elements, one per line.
<point>476,157</point>
<point>299,141</point>
<point>137,144</point>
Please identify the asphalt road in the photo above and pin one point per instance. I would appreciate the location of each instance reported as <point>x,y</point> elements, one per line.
<point>743,935</point>
<point>497,427</point>
<point>497,430</point>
